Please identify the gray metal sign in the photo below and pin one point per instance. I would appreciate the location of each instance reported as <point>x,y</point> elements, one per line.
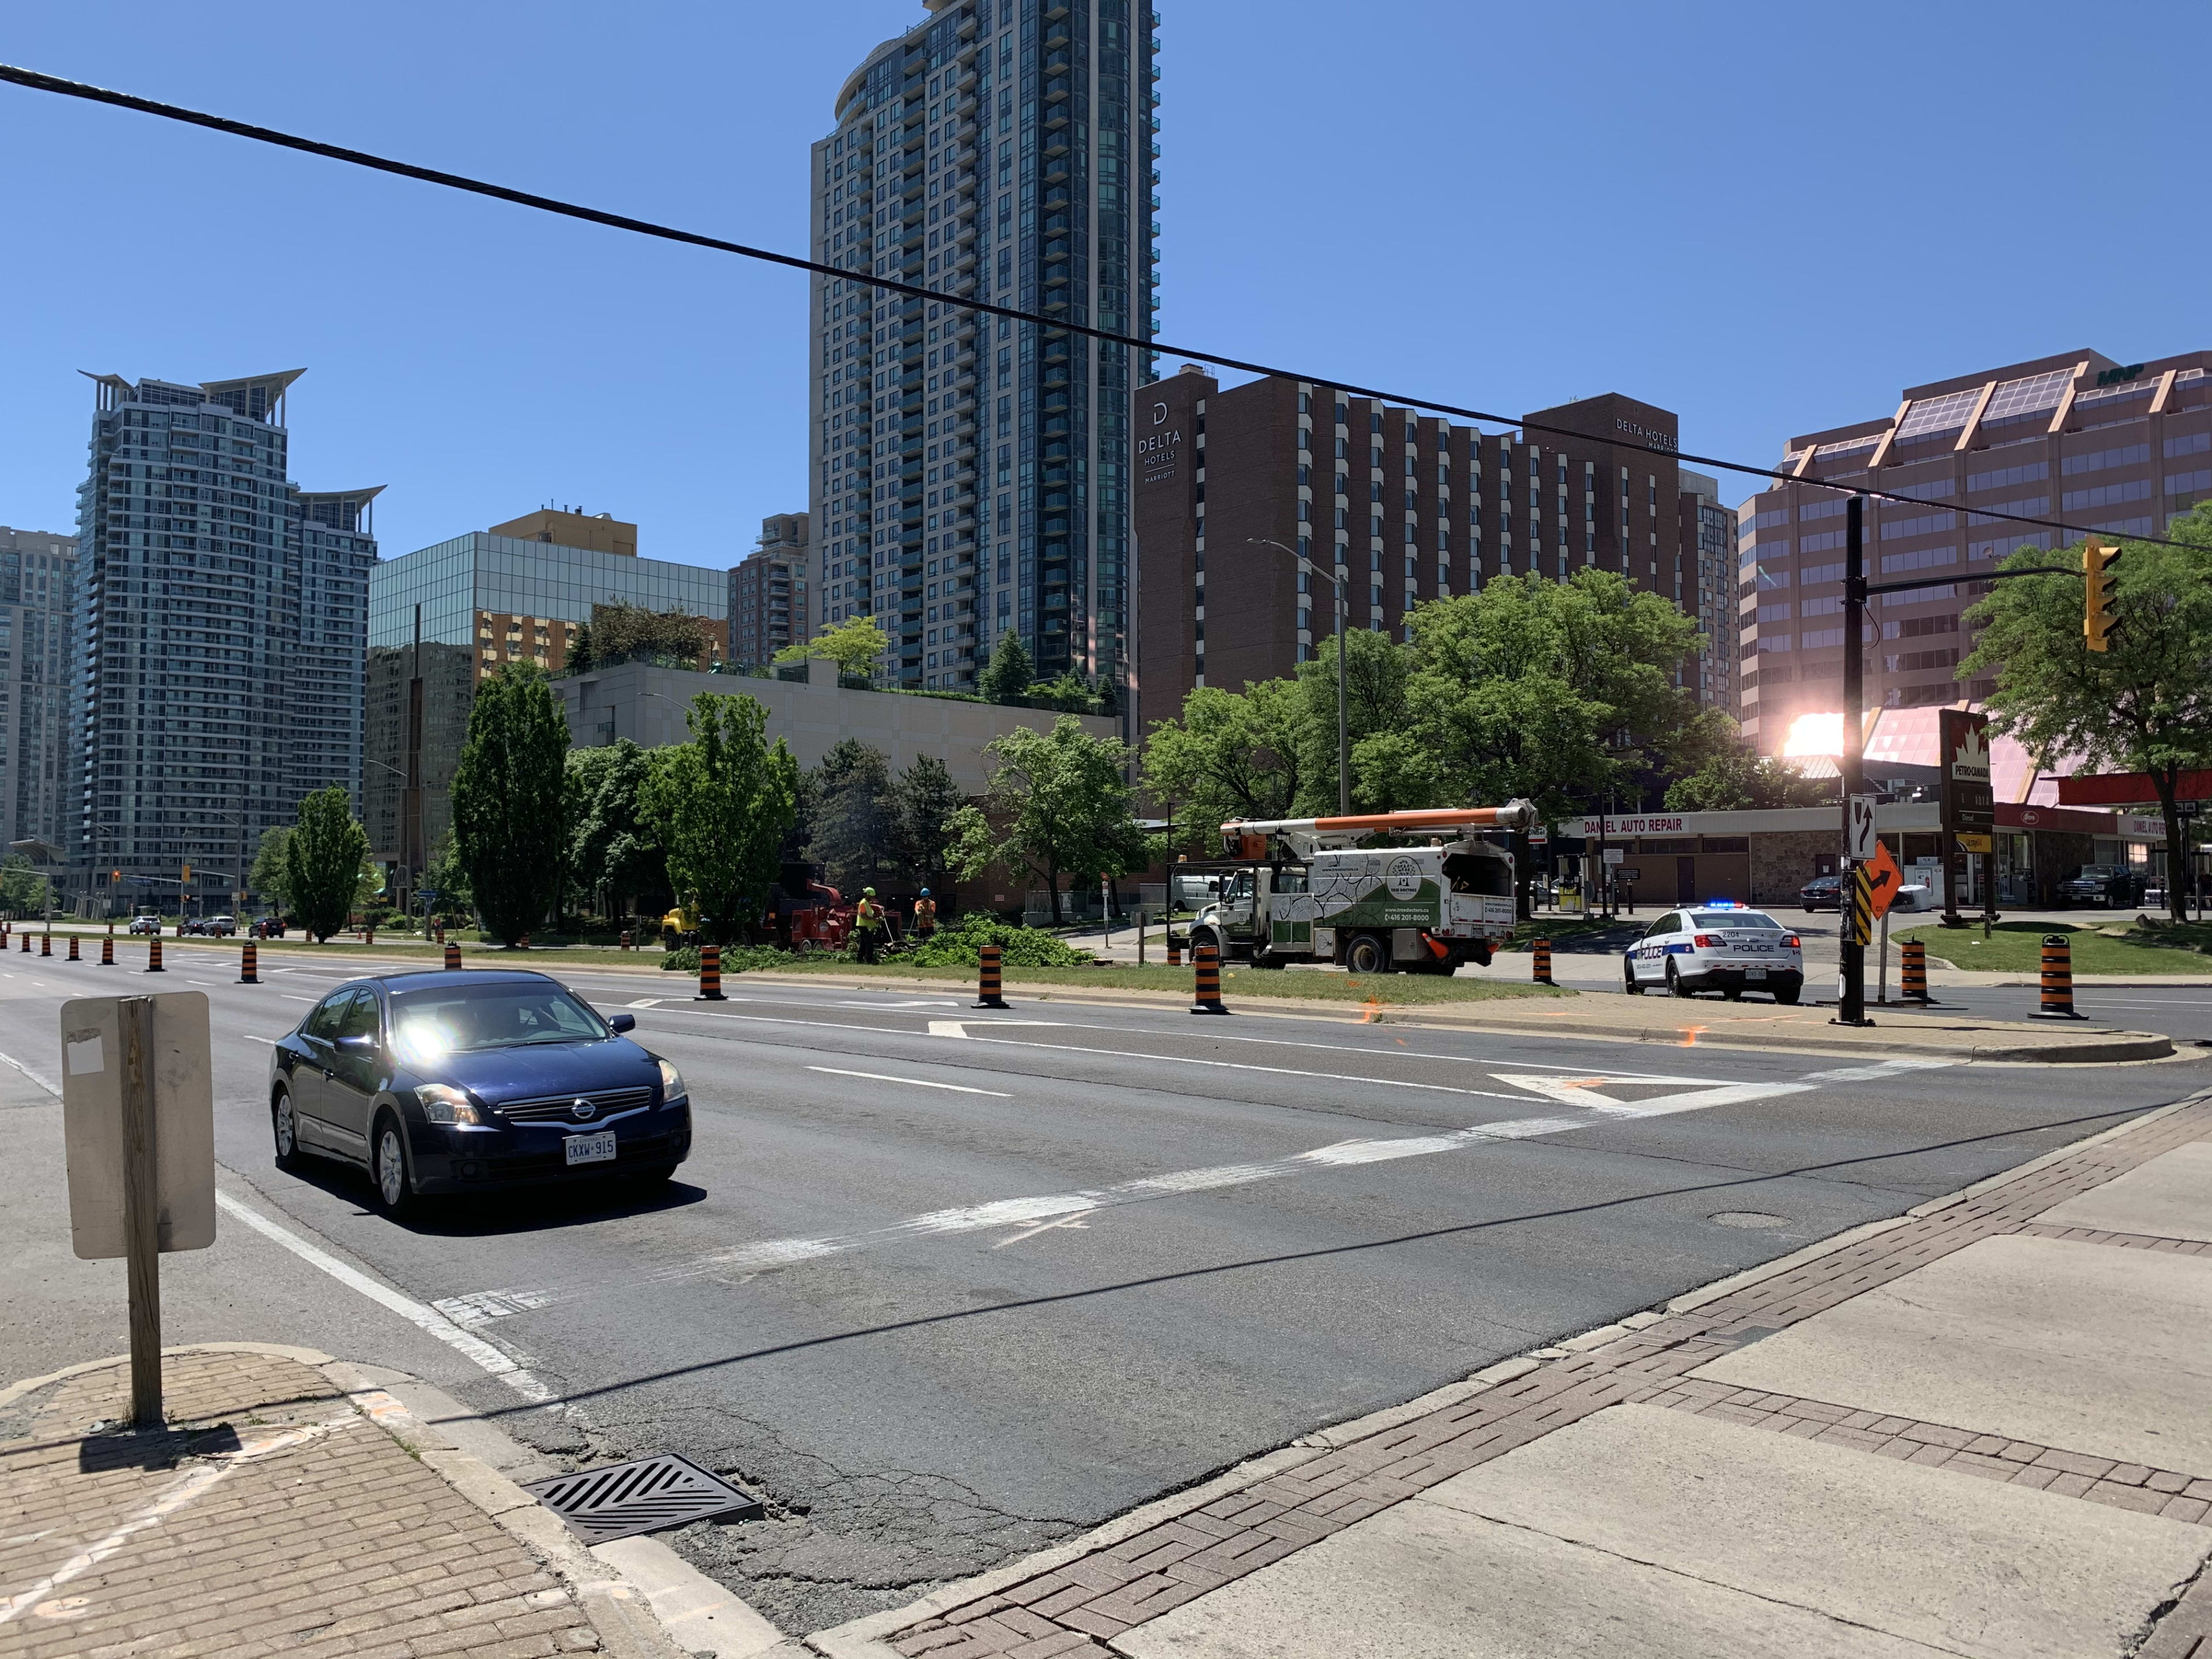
<point>95,1069</point>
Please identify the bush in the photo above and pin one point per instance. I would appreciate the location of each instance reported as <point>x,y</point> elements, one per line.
<point>735,959</point>
<point>960,945</point>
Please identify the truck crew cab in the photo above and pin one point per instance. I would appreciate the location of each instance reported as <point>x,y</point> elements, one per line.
<point>1306,889</point>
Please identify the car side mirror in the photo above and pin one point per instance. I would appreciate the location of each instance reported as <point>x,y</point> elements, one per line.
<point>360,1044</point>
<point>622,1022</point>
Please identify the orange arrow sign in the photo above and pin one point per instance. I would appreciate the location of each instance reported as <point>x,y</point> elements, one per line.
<point>1884,879</point>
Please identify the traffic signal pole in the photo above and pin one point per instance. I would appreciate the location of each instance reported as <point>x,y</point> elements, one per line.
<point>1850,955</point>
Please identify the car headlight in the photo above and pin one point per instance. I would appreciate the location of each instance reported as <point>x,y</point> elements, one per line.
<point>672,1084</point>
<point>443,1103</point>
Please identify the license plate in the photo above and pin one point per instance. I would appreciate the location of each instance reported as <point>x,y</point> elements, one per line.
<point>591,1149</point>
<point>1748,973</point>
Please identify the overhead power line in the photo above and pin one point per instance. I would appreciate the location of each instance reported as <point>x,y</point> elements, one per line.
<point>41,82</point>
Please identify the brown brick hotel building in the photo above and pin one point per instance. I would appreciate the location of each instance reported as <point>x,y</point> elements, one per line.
<point>1409,507</point>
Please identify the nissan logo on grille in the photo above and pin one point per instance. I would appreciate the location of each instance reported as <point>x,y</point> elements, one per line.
<point>580,1110</point>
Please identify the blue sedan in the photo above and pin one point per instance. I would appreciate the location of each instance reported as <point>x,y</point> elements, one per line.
<point>446,1082</point>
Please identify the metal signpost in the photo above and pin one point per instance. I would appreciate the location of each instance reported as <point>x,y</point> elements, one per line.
<point>138,1130</point>
<point>1969,815</point>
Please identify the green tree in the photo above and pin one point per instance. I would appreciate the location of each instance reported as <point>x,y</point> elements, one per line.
<point>1059,803</point>
<point>1232,755</point>
<point>925,801</point>
<point>1551,691</point>
<point>1719,772</point>
<point>720,804</point>
<point>1375,670</point>
<point>270,873</point>
<point>445,876</point>
<point>22,889</point>
<point>1009,672</point>
<point>509,821</point>
<point>2143,705</point>
<point>853,644</point>
<point>323,858</point>
<point>854,817</point>
<point>615,854</point>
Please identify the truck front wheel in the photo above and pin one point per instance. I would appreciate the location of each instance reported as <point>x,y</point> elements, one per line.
<point>1367,954</point>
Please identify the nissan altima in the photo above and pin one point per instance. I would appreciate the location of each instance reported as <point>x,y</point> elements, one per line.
<point>457,1082</point>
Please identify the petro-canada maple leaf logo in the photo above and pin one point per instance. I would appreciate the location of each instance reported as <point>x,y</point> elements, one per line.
<point>1969,761</point>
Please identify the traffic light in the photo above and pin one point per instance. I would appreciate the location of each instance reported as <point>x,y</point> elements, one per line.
<point>188,868</point>
<point>2097,592</point>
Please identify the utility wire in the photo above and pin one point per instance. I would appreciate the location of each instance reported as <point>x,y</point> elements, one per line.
<point>41,82</point>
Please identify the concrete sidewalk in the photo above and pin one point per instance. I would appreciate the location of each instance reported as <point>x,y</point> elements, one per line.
<point>1984,1428</point>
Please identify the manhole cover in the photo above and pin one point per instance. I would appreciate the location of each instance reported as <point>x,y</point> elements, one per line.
<point>1748,1218</point>
<point>644,1495</point>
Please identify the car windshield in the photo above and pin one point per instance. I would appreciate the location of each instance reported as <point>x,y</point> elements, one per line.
<point>1734,919</point>
<point>429,1022</point>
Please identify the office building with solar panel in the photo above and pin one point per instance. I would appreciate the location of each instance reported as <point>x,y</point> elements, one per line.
<point>970,476</point>
<point>2121,447</point>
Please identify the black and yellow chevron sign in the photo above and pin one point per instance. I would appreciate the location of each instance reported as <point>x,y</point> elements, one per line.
<point>1860,926</point>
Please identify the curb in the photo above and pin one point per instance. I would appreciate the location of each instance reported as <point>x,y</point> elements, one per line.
<point>863,1638</point>
<point>644,1599</point>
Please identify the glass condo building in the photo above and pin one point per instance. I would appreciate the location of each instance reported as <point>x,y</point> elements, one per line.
<point>221,610</point>
<point>969,474</point>
<point>443,617</point>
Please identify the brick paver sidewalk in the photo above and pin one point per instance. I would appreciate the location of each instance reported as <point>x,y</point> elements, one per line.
<point>272,1517</point>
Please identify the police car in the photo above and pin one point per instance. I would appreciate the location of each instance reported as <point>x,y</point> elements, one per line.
<point>1719,945</point>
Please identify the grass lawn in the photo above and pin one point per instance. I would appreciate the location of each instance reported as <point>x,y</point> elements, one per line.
<point>1288,984</point>
<point>2016,947</point>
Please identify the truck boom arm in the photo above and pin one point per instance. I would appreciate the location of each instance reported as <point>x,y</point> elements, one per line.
<point>1514,815</point>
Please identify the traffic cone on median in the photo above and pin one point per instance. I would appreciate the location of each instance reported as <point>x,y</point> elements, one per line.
<point>1912,974</point>
<point>73,954</point>
<point>108,950</point>
<point>1540,968</point>
<point>987,992</point>
<point>153,955</point>
<point>1207,994</point>
<point>453,956</point>
<point>249,963</point>
<point>710,974</point>
<point>2057,979</point>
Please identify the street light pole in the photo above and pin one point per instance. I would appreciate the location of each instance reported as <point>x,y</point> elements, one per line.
<point>1343,718</point>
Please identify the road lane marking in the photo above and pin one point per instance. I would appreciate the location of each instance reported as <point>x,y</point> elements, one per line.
<point>918,1081</point>
<point>250,1037</point>
<point>474,1348</point>
<point>769,1255</point>
<point>644,1002</point>
<point>1878,1071</point>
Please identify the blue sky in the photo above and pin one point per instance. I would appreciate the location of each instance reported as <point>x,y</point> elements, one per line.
<point>1769,219</point>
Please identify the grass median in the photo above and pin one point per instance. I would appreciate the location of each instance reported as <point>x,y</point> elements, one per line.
<point>1287,984</point>
<point>2096,948</point>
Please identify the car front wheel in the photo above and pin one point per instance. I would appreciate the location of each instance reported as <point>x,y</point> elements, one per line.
<point>1628,973</point>
<point>388,1171</point>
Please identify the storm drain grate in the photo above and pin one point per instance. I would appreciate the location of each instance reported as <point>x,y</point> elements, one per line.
<point>644,1495</point>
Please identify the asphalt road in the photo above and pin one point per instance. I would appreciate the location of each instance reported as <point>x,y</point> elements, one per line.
<point>947,1285</point>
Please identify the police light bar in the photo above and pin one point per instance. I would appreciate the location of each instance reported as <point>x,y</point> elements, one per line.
<point>1720,904</point>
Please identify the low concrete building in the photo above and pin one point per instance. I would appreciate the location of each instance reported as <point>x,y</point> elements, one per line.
<point>646,703</point>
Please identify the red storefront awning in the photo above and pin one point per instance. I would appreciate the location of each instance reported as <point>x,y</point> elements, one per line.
<point>2129,789</point>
